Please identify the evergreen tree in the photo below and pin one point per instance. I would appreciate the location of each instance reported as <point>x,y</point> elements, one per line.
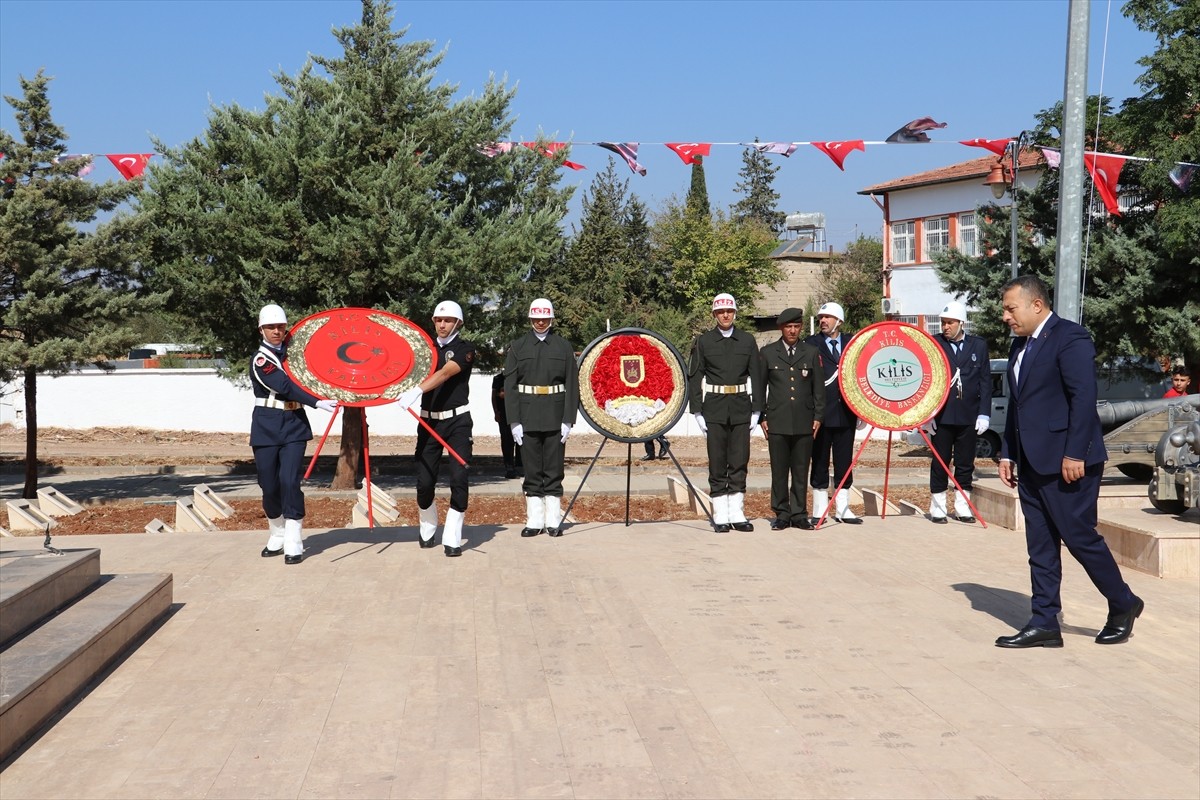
<point>359,184</point>
<point>852,280</point>
<point>760,199</point>
<point>66,295</point>
<point>697,197</point>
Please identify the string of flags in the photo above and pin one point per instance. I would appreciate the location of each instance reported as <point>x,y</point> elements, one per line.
<point>1105,168</point>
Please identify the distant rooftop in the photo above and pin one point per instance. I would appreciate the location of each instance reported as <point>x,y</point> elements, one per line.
<point>965,170</point>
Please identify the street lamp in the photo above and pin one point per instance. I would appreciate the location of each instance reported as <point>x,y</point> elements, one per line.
<point>999,183</point>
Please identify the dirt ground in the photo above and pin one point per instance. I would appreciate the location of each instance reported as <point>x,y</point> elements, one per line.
<point>61,447</point>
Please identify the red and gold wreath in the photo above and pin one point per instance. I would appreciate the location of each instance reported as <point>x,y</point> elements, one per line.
<point>631,384</point>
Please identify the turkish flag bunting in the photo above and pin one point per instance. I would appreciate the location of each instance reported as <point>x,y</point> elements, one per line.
<point>839,150</point>
<point>1105,170</point>
<point>997,146</point>
<point>549,149</point>
<point>689,150</point>
<point>130,165</point>
<point>627,151</point>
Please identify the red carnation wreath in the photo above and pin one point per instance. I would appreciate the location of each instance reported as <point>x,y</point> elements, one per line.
<point>631,384</point>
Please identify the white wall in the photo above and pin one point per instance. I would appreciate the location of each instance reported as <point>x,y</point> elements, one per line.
<point>948,198</point>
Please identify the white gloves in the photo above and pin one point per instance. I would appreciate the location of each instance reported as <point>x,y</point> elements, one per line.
<point>410,397</point>
<point>930,427</point>
<point>701,424</point>
<point>566,431</point>
<point>327,405</point>
<point>518,433</point>
<point>755,416</point>
<point>981,424</point>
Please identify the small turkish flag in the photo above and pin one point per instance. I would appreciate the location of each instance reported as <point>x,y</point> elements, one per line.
<point>130,165</point>
<point>549,149</point>
<point>997,146</point>
<point>839,150</point>
<point>689,150</point>
<point>1105,169</point>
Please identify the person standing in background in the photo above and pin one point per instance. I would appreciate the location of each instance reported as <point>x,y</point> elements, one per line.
<point>510,453</point>
<point>836,435</point>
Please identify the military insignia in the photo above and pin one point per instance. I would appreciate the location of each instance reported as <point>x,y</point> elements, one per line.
<point>260,360</point>
<point>804,372</point>
<point>974,357</point>
<point>633,370</point>
<point>449,355</point>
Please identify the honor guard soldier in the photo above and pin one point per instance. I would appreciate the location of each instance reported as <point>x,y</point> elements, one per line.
<point>445,408</point>
<point>541,396</point>
<point>795,404</point>
<point>279,433</point>
<point>837,429</point>
<point>725,394</point>
<point>965,416</point>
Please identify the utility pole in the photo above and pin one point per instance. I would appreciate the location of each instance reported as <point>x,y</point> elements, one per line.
<point>1067,269</point>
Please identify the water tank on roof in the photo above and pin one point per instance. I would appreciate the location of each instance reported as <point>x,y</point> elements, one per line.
<point>800,221</point>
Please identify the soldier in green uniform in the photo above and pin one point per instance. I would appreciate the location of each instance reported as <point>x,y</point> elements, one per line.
<point>725,393</point>
<point>541,397</point>
<point>795,405</point>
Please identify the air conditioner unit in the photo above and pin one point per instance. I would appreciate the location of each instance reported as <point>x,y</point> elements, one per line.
<point>890,305</point>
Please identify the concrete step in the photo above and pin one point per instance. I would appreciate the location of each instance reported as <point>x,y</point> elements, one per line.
<point>46,668</point>
<point>35,585</point>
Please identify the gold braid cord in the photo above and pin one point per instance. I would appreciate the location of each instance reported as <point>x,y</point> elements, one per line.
<point>629,413</point>
<point>894,414</point>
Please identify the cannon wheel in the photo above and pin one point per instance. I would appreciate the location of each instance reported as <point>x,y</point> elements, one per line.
<point>1139,472</point>
<point>1175,506</point>
<point>988,446</point>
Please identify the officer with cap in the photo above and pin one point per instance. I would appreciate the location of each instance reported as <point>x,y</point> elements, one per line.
<point>541,396</point>
<point>837,430</point>
<point>965,416</point>
<point>279,433</point>
<point>795,405</point>
<point>725,393</point>
<point>445,407</point>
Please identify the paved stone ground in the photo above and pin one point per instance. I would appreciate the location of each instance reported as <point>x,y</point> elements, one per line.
<point>658,660</point>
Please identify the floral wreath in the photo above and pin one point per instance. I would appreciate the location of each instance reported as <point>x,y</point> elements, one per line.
<point>632,384</point>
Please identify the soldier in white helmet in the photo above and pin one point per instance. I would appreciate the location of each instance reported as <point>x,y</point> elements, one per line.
<point>725,393</point>
<point>444,405</point>
<point>965,416</point>
<point>836,434</point>
<point>279,433</point>
<point>541,398</point>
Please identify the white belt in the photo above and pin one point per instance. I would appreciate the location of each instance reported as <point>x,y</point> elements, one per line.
<point>454,412</point>
<point>271,402</point>
<point>739,388</point>
<point>558,388</point>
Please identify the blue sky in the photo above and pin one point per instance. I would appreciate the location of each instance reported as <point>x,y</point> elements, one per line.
<point>605,71</point>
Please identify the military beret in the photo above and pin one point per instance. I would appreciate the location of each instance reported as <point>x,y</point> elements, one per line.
<point>789,315</point>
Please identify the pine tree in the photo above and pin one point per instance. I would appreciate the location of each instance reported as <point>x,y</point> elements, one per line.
<point>360,184</point>
<point>66,295</point>
<point>697,196</point>
<point>760,201</point>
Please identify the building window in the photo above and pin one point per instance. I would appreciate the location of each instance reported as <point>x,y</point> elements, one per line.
<point>967,242</point>
<point>904,242</point>
<point>933,325</point>
<point>910,319</point>
<point>937,236</point>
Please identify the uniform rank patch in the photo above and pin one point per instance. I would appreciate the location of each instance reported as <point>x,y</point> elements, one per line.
<point>449,355</point>
<point>260,360</point>
<point>470,357</point>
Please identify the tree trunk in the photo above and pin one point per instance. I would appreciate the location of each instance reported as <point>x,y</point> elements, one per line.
<point>31,435</point>
<point>350,455</point>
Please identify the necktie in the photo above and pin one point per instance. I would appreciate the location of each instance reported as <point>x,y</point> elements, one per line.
<point>833,346</point>
<point>957,348</point>
<point>791,352</point>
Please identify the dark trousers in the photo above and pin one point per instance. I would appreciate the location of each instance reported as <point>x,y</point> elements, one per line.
<point>280,468</point>
<point>663,444</point>
<point>790,455</point>
<point>728,455</point>
<point>961,440</point>
<point>543,452</point>
<point>509,451</point>
<point>1058,513</point>
<point>457,433</point>
<point>841,442</point>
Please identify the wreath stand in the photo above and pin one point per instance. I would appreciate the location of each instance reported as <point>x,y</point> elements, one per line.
<point>629,480</point>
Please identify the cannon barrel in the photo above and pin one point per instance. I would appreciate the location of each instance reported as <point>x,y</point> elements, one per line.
<point>1114,414</point>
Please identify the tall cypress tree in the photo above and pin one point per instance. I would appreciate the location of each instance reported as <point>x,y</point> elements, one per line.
<point>760,201</point>
<point>697,196</point>
<point>67,295</point>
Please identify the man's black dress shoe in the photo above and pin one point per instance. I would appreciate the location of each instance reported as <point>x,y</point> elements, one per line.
<point>554,531</point>
<point>966,518</point>
<point>527,532</point>
<point>721,528</point>
<point>1030,636</point>
<point>804,524</point>
<point>267,553</point>
<point>850,520</point>
<point>453,552</point>
<point>663,449</point>
<point>744,527</point>
<point>1119,627</point>
<point>430,542</point>
<point>647,457</point>
<point>510,473</point>
<point>780,525</point>
<point>938,520</point>
<point>293,559</point>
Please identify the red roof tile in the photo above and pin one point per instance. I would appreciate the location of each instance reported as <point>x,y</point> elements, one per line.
<point>975,168</point>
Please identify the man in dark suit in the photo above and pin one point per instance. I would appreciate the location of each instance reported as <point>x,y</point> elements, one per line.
<point>965,416</point>
<point>725,394</point>
<point>795,404</point>
<point>1053,452</point>
<point>836,435</point>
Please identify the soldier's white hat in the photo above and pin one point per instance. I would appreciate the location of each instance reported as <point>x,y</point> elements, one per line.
<point>541,309</point>
<point>832,310</point>
<point>448,308</point>
<point>954,310</point>
<point>271,314</point>
<point>724,301</point>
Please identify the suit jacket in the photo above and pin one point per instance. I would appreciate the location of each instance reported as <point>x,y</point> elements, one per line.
<point>837,413</point>
<point>725,361</point>
<point>795,388</point>
<point>1052,411</point>
<point>971,396</point>
<point>533,362</point>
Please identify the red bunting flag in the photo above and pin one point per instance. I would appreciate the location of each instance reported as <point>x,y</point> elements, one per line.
<point>1105,170</point>
<point>130,165</point>
<point>689,150</point>
<point>493,149</point>
<point>549,149</point>
<point>839,150</point>
<point>997,146</point>
<point>627,151</point>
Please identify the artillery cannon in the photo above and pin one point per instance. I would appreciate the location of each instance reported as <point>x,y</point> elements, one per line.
<point>1137,428</point>
<point>1175,486</point>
